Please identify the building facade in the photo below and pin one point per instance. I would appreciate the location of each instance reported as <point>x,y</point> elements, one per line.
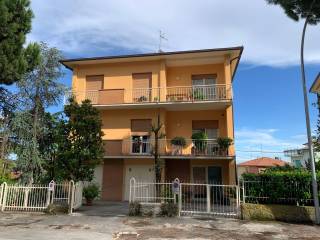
<point>191,94</point>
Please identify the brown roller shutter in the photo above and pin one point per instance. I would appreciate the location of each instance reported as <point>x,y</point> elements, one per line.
<point>141,80</point>
<point>140,125</point>
<point>202,124</point>
<point>94,82</point>
<point>204,76</point>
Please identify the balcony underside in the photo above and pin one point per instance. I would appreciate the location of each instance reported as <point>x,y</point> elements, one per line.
<point>172,106</point>
<point>170,157</point>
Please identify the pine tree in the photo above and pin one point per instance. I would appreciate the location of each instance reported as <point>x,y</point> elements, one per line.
<point>15,23</point>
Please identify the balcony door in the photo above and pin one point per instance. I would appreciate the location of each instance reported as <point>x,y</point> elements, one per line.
<point>203,87</point>
<point>140,145</point>
<point>141,87</point>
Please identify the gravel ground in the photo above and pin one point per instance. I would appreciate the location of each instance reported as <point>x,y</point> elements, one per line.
<point>85,225</point>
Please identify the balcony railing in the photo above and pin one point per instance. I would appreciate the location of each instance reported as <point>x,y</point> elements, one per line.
<point>192,148</point>
<point>216,92</point>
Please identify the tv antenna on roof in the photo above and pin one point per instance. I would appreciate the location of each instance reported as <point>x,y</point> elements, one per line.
<point>161,37</point>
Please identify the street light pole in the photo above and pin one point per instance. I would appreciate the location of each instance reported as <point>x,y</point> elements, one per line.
<point>310,142</point>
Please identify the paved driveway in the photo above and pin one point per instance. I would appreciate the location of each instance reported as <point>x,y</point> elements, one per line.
<point>84,224</point>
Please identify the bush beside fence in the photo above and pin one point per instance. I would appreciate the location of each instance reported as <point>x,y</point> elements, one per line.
<point>289,188</point>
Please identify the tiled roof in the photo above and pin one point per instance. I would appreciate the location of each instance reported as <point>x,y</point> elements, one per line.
<point>264,162</point>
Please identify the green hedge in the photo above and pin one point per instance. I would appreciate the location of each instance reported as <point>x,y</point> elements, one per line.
<point>293,188</point>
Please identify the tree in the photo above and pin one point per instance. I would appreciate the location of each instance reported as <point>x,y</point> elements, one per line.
<point>309,10</point>
<point>159,164</point>
<point>15,23</point>
<point>37,90</point>
<point>80,146</point>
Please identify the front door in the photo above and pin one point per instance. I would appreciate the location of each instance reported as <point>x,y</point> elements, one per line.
<point>214,175</point>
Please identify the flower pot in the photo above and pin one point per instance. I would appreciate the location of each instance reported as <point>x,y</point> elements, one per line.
<point>89,202</point>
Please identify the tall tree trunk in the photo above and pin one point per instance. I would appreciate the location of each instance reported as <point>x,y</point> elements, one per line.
<point>310,141</point>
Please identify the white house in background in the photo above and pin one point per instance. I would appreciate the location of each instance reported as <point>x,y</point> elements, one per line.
<point>300,157</point>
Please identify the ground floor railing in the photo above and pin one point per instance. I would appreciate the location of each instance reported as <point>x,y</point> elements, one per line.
<point>37,197</point>
<point>191,198</point>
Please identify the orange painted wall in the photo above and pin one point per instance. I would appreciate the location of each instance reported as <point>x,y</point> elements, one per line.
<point>182,76</point>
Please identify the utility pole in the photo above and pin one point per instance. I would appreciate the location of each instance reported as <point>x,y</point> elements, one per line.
<point>310,141</point>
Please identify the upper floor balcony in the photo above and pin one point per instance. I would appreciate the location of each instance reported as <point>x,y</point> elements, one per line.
<point>216,93</point>
<point>192,149</point>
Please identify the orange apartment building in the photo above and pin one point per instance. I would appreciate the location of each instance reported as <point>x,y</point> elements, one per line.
<point>191,91</point>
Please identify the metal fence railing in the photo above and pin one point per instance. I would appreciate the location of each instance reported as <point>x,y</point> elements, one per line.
<point>288,192</point>
<point>191,198</point>
<point>37,197</point>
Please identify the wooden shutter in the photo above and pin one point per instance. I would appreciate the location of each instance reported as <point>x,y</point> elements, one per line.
<point>141,80</point>
<point>203,124</point>
<point>94,82</point>
<point>140,125</point>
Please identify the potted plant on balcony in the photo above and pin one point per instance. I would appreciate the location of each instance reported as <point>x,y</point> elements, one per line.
<point>199,140</point>
<point>142,99</point>
<point>224,143</point>
<point>90,193</point>
<point>178,144</point>
<point>198,94</point>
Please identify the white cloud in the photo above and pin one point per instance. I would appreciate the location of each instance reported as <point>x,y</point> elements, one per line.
<point>97,27</point>
<point>252,143</point>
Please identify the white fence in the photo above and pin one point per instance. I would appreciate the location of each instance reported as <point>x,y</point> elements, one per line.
<point>192,198</point>
<point>37,197</point>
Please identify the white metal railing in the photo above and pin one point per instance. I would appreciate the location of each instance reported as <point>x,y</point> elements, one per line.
<point>212,199</point>
<point>208,147</point>
<point>215,92</point>
<point>2,186</point>
<point>37,197</point>
<point>191,198</point>
<point>151,192</point>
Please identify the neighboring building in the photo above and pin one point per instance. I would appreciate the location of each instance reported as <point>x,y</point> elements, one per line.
<point>259,165</point>
<point>190,90</point>
<point>300,157</point>
<point>315,88</point>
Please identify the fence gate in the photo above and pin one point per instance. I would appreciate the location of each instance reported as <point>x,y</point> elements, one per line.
<point>209,199</point>
<point>193,198</point>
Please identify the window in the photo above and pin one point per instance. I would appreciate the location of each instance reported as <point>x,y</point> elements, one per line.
<point>203,79</point>
<point>297,163</point>
<point>140,144</point>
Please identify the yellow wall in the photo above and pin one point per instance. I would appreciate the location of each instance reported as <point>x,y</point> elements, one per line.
<point>182,76</point>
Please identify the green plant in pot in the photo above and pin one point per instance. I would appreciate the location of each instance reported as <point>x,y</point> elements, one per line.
<point>224,144</point>
<point>90,193</point>
<point>198,94</point>
<point>178,143</point>
<point>200,141</point>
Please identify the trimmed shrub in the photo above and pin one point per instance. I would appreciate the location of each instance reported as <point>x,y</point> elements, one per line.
<point>271,212</point>
<point>55,208</point>
<point>135,209</point>
<point>168,210</point>
<point>287,187</point>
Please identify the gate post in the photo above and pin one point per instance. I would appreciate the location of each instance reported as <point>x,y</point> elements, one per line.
<point>4,196</point>
<point>180,200</point>
<point>208,199</point>
<point>71,199</point>
<point>132,190</point>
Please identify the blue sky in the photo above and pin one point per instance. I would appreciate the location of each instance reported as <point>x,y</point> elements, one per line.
<point>268,102</point>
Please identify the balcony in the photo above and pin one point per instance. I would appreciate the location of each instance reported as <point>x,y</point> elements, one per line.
<point>145,96</point>
<point>193,148</point>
